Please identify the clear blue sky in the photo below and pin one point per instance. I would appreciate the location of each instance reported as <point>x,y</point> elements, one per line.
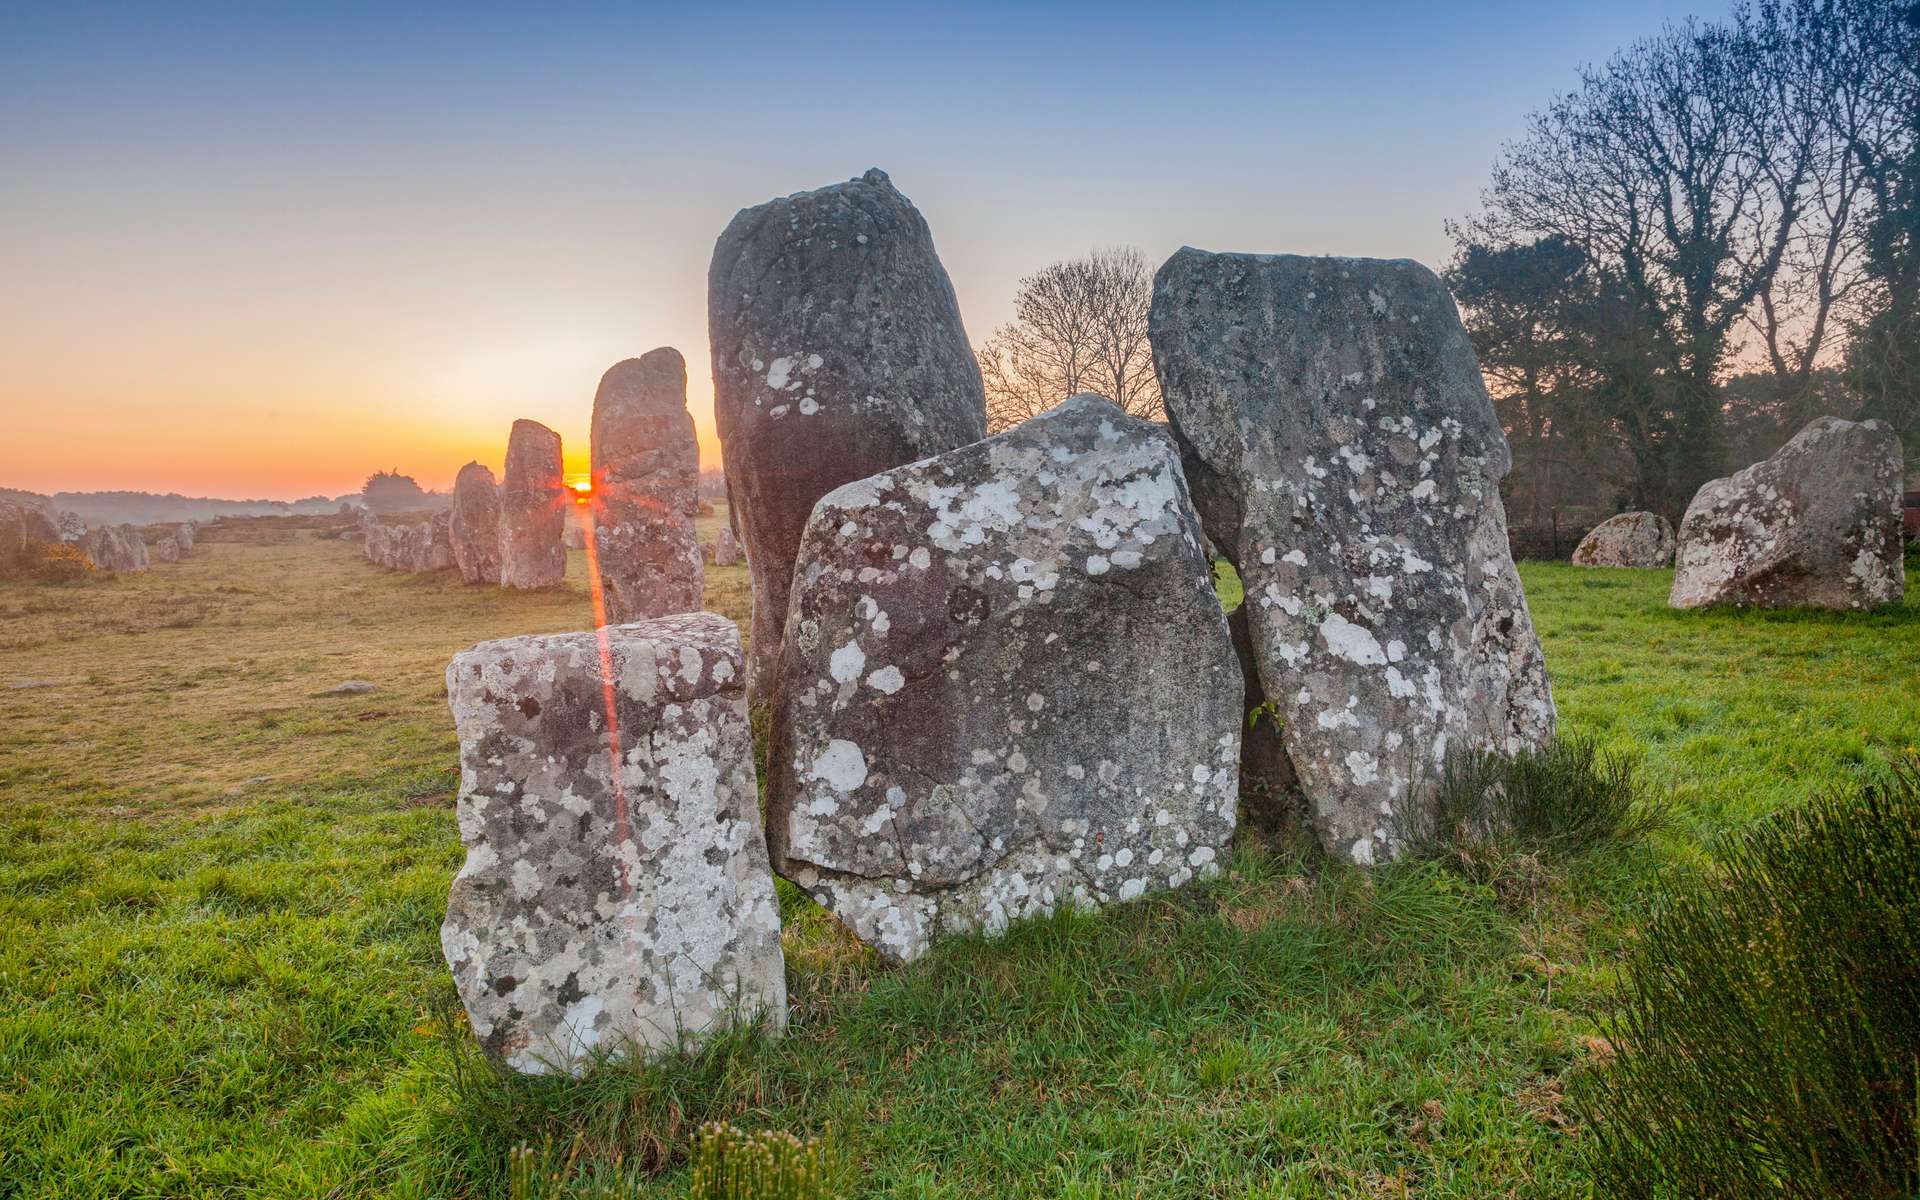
<point>264,249</point>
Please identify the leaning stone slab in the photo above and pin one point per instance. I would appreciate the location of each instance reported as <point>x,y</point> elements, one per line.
<point>1815,526</point>
<point>615,893</point>
<point>1006,685</point>
<point>533,509</point>
<point>837,352</point>
<point>1631,539</point>
<point>474,525</point>
<point>646,489</point>
<point>1344,455</point>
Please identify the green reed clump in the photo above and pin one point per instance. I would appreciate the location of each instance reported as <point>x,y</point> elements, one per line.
<point>1490,813</point>
<point>1767,1041</point>
<point>732,1164</point>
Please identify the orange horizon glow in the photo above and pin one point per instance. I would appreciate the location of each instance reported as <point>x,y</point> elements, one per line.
<point>229,455</point>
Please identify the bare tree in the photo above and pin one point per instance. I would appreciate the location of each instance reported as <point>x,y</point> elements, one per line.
<point>1711,179</point>
<point>1079,326</point>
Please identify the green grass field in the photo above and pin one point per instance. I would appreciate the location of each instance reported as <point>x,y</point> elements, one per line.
<point>220,893</point>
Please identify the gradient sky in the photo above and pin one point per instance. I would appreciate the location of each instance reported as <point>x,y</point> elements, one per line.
<point>262,250</point>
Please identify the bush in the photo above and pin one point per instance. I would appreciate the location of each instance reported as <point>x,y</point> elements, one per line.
<point>46,562</point>
<point>1768,1040</point>
<point>1562,799</point>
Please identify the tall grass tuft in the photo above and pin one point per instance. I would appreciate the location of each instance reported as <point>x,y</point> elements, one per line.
<point>1490,812</point>
<point>1768,1039</point>
<point>731,1164</point>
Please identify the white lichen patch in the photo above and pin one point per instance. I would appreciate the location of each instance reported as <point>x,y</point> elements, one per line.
<point>612,896</point>
<point>1011,573</point>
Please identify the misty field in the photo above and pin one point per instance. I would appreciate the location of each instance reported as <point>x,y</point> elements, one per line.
<point>221,889</point>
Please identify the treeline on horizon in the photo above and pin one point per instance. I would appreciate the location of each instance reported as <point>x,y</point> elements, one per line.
<point>1712,240</point>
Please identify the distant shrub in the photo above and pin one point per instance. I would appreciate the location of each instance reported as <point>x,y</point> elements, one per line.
<point>1558,800</point>
<point>1768,1039</point>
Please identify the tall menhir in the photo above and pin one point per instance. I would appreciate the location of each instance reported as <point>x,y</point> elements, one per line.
<point>838,352</point>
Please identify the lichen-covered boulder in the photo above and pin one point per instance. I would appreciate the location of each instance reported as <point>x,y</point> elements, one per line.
<point>1006,685</point>
<point>1815,526</point>
<point>837,352</point>
<point>1631,539</point>
<point>533,509</point>
<point>646,489</point>
<point>474,524</point>
<point>1344,455</point>
<point>183,537</point>
<point>115,548</point>
<point>164,549</point>
<point>615,894</point>
<point>726,548</point>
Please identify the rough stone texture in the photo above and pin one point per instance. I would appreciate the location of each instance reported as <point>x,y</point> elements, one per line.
<point>37,517</point>
<point>575,537</point>
<point>1006,685</point>
<point>115,548</point>
<point>533,509</point>
<point>437,554</point>
<point>646,489</point>
<point>474,525</point>
<point>17,529</point>
<point>1631,539</point>
<point>164,550</point>
<point>72,527</point>
<point>1343,454</point>
<point>726,548</point>
<point>616,884</point>
<point>1815,526</point>
<point>837,352</point>
<point>413,546</point>
<point>183,537</point>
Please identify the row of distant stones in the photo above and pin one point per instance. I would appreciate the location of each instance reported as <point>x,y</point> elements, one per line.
<point>1817,525</point>
<point>996,675</point>
<point>645,496</point>
<point>120,548</point>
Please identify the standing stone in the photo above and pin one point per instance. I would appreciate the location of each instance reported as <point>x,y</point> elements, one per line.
<point>837,352</point>
<point>616,888</point>
<point>18,529</point>
<point>1815,526</point>
<point>115,548</point>
<point>183,537</point>
<point>533,509</point>
<point>38,518</point>
<point>1344,455</point>
<point>474,525</point>
<point>1631,539</point>
<point>726,548</point>
<point>1006,685</point>
<point>646,489</point>
<point>164,550</point>
<point>436,542</point>
<point>576,536</point>
<point>72,528</point>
